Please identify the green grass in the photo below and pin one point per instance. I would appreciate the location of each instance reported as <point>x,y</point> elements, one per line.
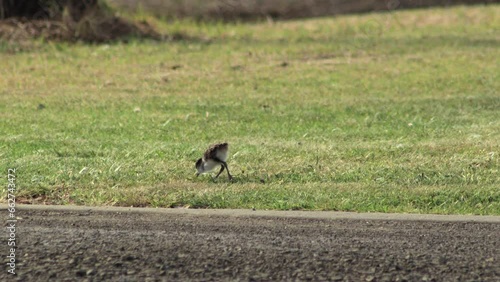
<point>395,112</point>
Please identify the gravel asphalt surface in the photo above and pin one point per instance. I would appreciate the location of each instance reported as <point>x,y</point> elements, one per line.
<point>131,244</point>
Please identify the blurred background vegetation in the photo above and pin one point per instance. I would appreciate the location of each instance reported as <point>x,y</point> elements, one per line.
<point>275,9</point>
<point>100,21</point>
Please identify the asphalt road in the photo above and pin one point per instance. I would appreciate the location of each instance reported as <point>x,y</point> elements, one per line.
<point>123,244</point>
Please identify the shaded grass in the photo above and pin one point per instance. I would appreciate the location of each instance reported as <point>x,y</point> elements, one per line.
<point>386,112</point>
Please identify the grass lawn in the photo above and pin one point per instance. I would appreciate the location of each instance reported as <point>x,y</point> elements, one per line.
<point>393,112</point>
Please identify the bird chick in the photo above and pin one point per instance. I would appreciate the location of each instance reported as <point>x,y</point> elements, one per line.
<point>214,156</point>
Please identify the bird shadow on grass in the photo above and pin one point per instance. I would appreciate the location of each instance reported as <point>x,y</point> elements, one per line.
<point>237,179</point>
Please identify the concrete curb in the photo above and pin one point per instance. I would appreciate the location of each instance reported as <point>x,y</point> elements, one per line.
<point>268,213</point>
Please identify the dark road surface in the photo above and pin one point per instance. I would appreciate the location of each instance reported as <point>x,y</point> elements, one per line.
<point>86,244</point>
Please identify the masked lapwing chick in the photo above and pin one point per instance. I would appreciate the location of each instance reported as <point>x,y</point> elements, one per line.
<point>213,157</point>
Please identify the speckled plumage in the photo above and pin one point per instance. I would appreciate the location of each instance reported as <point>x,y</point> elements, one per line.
<point>216,155</point>
<point>217,152</point>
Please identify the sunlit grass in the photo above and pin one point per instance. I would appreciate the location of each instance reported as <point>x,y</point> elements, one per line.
<point>396,112</point>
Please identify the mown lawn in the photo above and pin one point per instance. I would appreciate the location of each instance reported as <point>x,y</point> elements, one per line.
<point>394,112</point>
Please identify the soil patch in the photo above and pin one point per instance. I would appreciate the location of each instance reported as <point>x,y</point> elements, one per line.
<point>70,20</point>
<point>109,29</point>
